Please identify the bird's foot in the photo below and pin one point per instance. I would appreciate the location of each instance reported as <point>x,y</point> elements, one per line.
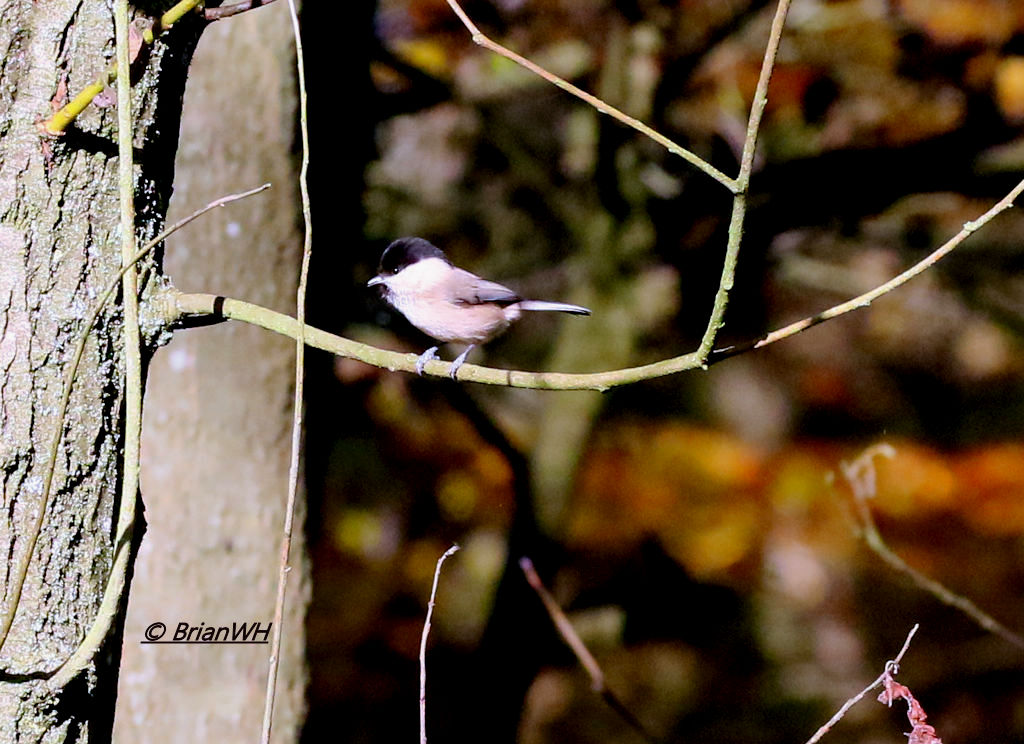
<point>425,357</point>
<point>459,360</point>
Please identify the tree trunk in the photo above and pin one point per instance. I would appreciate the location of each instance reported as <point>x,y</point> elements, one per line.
<point>218,412</point>
<point>58,252</point>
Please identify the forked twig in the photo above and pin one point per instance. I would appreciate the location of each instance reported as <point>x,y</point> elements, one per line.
<point>739,200</point>
<point>423,641</point>
<point>482,40</point>
<point>739,186</point>
<point>580,650</point>
<point>860,475</point>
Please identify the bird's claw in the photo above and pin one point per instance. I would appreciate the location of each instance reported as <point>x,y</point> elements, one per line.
<point>425,357</point>
<point>459,360</point>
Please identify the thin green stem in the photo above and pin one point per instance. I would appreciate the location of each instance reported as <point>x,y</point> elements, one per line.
<point>725,283</point>
<point>860,475</point>
<point>739,205</point>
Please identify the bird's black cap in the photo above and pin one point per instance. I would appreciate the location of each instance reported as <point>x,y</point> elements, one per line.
<point>407,251</point>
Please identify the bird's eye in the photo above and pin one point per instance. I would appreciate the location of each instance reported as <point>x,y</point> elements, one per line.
<point>395,270</point>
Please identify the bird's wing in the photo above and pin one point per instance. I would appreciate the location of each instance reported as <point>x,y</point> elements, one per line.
<point>476,291</point>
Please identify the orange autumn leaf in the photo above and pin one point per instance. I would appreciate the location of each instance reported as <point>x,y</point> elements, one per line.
<point>964,21</point>
<point>696,490</point>
<point>918,481</point>
<point>1009,88</point>
<point>992,488</point>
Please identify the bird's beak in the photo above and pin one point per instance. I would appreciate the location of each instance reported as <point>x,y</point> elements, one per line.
<point>375,281</point>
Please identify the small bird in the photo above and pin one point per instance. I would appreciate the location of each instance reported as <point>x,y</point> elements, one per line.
<point>447,303</point>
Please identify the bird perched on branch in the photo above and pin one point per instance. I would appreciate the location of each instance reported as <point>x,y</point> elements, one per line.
<point>447,303</point>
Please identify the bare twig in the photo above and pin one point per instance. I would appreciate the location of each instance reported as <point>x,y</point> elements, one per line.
<point>300,361</point>
<point>226,11</point>
<point>113,593</point>
<point>860,474</point>
<point>891,667</point>
<point>480,39</point>
<point>423,641</point>
<point>867,298</point>
<point>580,650</point>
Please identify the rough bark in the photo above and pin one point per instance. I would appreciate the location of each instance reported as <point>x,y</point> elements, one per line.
<point>218,412</point>
<point>58,251</point>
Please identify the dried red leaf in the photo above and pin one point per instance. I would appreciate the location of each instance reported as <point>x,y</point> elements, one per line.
<point>922,733</point>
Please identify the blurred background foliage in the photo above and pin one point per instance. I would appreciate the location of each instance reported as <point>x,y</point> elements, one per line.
<point>688,524</point>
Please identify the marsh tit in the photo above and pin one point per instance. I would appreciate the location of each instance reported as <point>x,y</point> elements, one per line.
<point>447,303</point>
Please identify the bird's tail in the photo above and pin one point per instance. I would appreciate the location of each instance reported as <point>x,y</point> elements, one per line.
<point>559,307</point>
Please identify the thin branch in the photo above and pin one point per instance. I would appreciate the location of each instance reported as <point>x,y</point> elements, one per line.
<point>226,11</point>
<point>423,642</point>
<point>131,334</point>
<point>860,474</point>
<point>739,186</point>
<point>565,629</point>
<point>481,40</point>
<point>172,16</point>
<point>739,203</point>
<point>891,667</point>
<point>186,305</point>
<point>18,579</point>
<point>867,298</point>
<point>300,375</point>
<point>62,118</point>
